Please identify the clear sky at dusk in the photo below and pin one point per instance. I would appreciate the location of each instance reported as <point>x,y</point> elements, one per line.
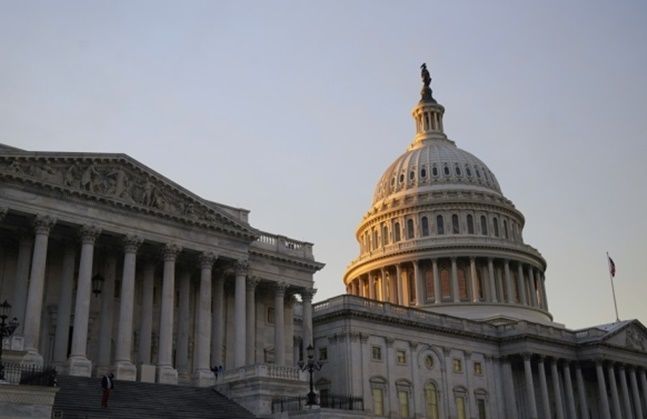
<point>294,109</point>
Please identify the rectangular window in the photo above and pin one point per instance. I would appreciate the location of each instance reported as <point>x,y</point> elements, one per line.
<point>402,357</point>
<point>480,405</point>
<point>460,407</point>
<point>378,401</point>
<point>377,353</point>
<point>478,368</point>
<point>403,397</point>
<point>457,365</point>
<point>323,354</point>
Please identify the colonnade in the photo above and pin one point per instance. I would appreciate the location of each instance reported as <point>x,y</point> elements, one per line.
<point>209,307</point>
<point>453,280</point>
<point>619,394</point>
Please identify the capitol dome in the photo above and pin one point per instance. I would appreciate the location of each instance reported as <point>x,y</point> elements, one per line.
<point>441,236</point>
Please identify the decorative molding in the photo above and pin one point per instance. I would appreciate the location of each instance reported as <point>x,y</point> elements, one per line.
<point>241,267</point>
<point>89,233</point>
<point>170,252</point>
<point>207,260</point>
<point>43,224</point>
<point>131,243</point>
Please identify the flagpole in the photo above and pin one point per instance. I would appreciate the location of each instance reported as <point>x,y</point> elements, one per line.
<point>613,288</point>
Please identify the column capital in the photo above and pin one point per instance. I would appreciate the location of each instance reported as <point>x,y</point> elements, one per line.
<point>242,266</point>
<point>472,259</point>
<point>171,251</point>
<point>527,356</point>
<point>43,223</point>
<point>131,243</point>
<point>207,259</point>
<point>389,341</point>
<point>307,294</point>
<point>89,233</point>
<point>280,288</point>
<point>252,282</point>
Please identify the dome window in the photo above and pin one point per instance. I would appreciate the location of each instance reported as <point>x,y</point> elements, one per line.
<point>412,174</point>
<point>470,224</point>
<point>425,226</point>
<point>410,231</point>
<point>401,178</point>
<point>440,225</point>
<point>396,232</point>
<point>434,171</point>
<point>458,171</point>
<point>423,173</point>
<point>455,226</point>
<point>446,170</point>
<point>385,235</point>
<point>392,182</point>
<point>468,171</point>
<point>483,225</point>
<point>505,228</point>
<point>495,225</point>
<point>478,174</point>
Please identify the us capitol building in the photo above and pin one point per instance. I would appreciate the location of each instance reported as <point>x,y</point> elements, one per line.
<point>111,266</point>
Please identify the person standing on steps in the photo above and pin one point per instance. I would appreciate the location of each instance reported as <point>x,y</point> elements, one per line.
<point>107,384</point>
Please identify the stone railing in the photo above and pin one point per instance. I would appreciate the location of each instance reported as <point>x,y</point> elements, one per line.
<point>265,370</point>
<point>285,245</point>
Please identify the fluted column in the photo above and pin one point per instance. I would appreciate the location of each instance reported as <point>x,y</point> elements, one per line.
<point>643,384</point>
<point>124,367</point>
<point>544,297</point>
<point>581,392</point>
<point>146,325</point>
<point>508,281</point>
<point>64,307</point>
<point>455,293</point>
<point>218,321</point>
<point>510,402</point>
<point>250,347</point>
<point>79,364</point>
<point>420,286</point>
<point>239,314</point>
<point>492,280</point>
<point>384,285</point>
<point>203,376</point>
<point>533,289</point>
<point>437,293</point>
<point>522,285</point>
<point>306,298</point>
<point>107,311</point>
<point>279,324</point>
<point>530,387</point>
<point>635,393</point>
<point>25,245</point>
<point>557,390</point>
<point>371,286</point>
<point>545,400</point>
<point>398,280</point>
<point>570,396</point>
<point>183,323</point>
<point>624,388</point>
<point>602,391</point>
<point>474,280</point>
<point>42,226</point>
<point>615,398</point>
<point>166,374</point>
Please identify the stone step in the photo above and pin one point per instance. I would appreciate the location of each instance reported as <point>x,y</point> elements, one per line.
<point>80,398</point>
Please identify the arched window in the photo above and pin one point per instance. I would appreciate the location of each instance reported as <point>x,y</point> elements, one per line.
<point>431,400</point>
<point>423,173</point>
<point>412,174</point>
<point>385,235</point>
<point>457,170</point>
<point>470,224</point>
<point>440,225</point>
<point>445,284</point>
<point>468,171</point>
<point>434,171</point>
<point>462,284</point>
<point>401,178</point>
<point>375,239</point>
<point>505,228</point>
<point>483,225</point>
<point>429,284</point>
<point>455,228</point>
<point>446,170</point>
<point>425,226</point>
<point>495,225</point>
<point>396,232</point>
<point>410,234</point>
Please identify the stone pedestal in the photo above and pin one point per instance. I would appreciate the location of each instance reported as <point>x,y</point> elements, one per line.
<point>147,373</point>
<point>166,375</point>
<point>125,371</point>
<point>32,358</point>
<point>204,378</point>
<point>79,366</point>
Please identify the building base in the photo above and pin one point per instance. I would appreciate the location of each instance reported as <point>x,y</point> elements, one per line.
<point>204,378</point>
<point>147,373</point>
<point>79,366</point>
<point>125,370</point>
<point>166,375</point>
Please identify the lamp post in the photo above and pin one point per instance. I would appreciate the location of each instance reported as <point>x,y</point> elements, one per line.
<point>311,366</point>
<point>97,284</point>
<point>6,330</point>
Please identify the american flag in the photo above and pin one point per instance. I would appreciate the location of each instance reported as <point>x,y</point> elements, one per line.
<point>612,267</point>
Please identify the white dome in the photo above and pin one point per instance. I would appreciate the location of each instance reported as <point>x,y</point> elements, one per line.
<point>434,165</point>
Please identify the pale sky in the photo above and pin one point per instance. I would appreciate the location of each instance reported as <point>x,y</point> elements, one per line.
<point>294,109</point>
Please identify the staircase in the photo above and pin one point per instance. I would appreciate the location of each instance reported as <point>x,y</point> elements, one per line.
<point>80,398</point>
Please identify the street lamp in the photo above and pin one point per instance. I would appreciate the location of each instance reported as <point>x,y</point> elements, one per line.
<point>6,330</point>
<point>97,284</point>
<point>311,366</point>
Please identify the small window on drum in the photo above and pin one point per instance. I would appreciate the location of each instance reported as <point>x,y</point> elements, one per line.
<point>446,170</point>
<point>412,174</point>
<point>478,174</point>
<point>458,171</point>
<point>423,173</point>
<point>440,225</point>
<point>434,171</point>
<point>392,182</point>
<point>468,171</point>
<point>401,178</point>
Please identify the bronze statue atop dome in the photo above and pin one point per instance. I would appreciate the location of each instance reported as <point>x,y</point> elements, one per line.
<point>425,93</point>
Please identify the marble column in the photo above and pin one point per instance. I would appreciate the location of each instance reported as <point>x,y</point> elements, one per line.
<point>508,282</point>
<point>624,388</point>
<point>492,280</point>
<point>279,324</point>
<point>420,285</point>
<point>545,400</point>
<point>239,314</point>
<point>544,298</point>
<point>455,292</point>
<point>474,281</point>
<point>511,403</point>
<point>34,307</point>
<point>570,395</point>
<point>166,374</point>
<point>393,288</point>
<point>643,384</point>
<point>398,281</point>
<point>147,371</point>
<point>530,387</point>
<point>25,244</point>
<point>615,398</point>
<point>306,297</point>
<point>533,288</point>
<point>79,364</point>
<point>581,392</point>
<point>371,286</point>
<point>635,393</point>
<point>203,376</point>
<point>183,324</point>
<point>437,292</point>
<point>218,321</point>
<point>64,314</point>
<point>107,310</point>
<point>250,339</point>
<point>557,390</point>
<point>124,367</point>
<point>522,285</point>
<point>602,391</point>
<point>384,285</point>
